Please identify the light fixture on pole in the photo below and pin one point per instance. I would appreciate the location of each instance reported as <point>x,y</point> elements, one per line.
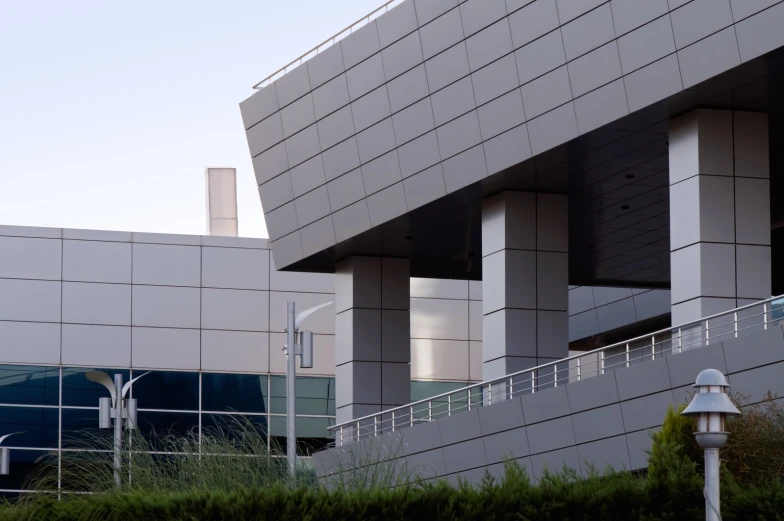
<point>115,408</point>
<point>5,455</point>
<point>710,406</point>
<point>303,346</point>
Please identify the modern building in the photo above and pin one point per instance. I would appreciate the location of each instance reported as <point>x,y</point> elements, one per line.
<point>483,187</point>
<point>207,316</point>
<point>535,146</point>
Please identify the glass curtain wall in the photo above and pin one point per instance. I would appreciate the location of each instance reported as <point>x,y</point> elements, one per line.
<point>48,406</point>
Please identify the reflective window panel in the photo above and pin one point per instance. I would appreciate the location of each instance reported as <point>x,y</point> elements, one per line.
<point>78,390</point>
<point>166,390</point>
<point>312,434</point>
<point>29,385</point>
<point>234,426</point>
<point>233,392</point>
<point>36,427</point>
<point>23,463</point>
<point>315,395</point>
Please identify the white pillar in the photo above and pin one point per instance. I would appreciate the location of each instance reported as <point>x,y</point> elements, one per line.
<point>525,282</point>
<point>372,336</point>
<point>221,201</point>
<point>719,213</point>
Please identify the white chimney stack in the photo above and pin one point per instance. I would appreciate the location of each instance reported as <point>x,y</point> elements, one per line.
<point>221,201</point>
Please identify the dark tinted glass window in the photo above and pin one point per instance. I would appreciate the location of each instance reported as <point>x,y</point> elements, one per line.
<point>78,390</point>
<point>23,462</point>
<point>162,424</point>
<point>166,390</point>
<point>422,390</point>
<point>80,430</point>
<point>29,385</point>
<point>231,426</point>
<point>312,434</point>
<point>234,392</point>
<point>36,427</point>
<point>315,395</point>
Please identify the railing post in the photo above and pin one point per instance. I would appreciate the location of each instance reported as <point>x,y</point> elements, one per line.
<point>341,436</point>
<point>707,332</point>
<point>449,405</point>
<point>375,426</point>
<point>393,421</point>
<point>653,347</point>
<point>511,392</point>
<point>489,394</point>
<point>579,375</point>
<point>357,431</point>
<point>765,315</point>
<point>468,397</point>
<point>430,410</point>
<point>735,318</point>
<point>601,362</point>
<point>555,374</point>
<point>680,341</point>
<point>411,414</point>
<point>533,382</point>
<point>627,354</point>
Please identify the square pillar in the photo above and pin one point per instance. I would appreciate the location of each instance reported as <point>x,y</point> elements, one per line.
<point>525,286</point>
<point>719,212</point>
<point>372,336</point>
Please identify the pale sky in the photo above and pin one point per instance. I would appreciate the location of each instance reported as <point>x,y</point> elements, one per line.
<point>110,111</point>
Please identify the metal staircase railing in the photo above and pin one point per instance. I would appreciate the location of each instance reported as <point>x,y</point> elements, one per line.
<point>729,324</point>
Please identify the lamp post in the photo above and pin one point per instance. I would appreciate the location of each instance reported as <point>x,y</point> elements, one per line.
<point>115,408</point>
<point>710,406</point>
<point>5,455</point>
<point>305,349</point>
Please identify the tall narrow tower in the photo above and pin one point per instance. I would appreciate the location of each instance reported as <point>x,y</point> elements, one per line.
<point>221,186</point>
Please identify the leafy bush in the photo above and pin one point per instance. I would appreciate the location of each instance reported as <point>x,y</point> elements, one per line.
<point>755,449</point>
<point>754,453</point>
<point>677,432</point>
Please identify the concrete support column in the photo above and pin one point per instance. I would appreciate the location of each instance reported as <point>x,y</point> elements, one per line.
<point>525,282</point>
<point>719,212</point>
<point>372,336</point>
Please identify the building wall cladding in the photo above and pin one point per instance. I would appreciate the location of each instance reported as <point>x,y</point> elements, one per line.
<point>600,421</point>
<point>438,94</point>
<point>179,302</point>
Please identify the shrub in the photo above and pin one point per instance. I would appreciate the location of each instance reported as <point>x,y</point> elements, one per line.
<point>754,453</point>
<point>614,496</point>
<point>677,431</point>
<point>228,474</point>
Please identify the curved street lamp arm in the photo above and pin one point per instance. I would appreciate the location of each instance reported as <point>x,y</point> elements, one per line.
<point>130,382</point>
<point>305,314</point>
<point>2,438</point>
<point>103,379</point>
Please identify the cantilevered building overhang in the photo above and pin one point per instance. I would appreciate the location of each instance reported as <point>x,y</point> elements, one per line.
<point>386,142</point>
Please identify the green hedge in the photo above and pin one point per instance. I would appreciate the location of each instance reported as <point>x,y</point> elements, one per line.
<point>617,496</point>
<point>210,489</point>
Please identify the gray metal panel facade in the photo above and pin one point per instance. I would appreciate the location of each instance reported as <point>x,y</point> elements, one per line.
<point>474,87</point>
<point>602,420</point>
<point>186,302</point>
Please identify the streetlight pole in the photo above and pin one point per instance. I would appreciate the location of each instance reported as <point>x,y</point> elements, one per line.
<point>118,414</point>
<point>291,388</point>
<point>305,349</point>
<point>711,406</point>
<point>115,408</point>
